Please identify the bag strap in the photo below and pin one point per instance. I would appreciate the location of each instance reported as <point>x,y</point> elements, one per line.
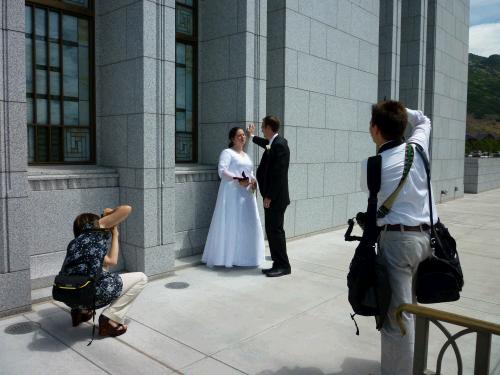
<point>373,177</point>
<point>387,205</point>
<point>422,154</point>
<point>370,232</point>
<point>93,316</point>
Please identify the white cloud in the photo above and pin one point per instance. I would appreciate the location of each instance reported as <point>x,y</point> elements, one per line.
<point>484,40</point>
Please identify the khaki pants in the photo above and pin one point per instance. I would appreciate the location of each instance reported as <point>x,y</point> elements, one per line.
<point>133,283</point>
<point>402,252</point>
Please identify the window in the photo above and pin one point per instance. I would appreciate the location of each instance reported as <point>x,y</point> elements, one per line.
<point>185,81</point>
<point>59,81</point>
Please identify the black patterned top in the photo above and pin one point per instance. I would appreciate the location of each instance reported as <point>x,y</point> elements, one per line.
<point>85,256</point>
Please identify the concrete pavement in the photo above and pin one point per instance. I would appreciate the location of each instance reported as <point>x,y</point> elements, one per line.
<point>236,321</point>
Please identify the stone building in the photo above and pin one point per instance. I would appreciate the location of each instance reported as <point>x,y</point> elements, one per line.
<point>130,101</point>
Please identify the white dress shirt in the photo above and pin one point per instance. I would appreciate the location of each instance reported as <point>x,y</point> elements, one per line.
<point>411,206</point>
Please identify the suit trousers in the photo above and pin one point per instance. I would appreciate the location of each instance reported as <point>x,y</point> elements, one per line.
<point>275,218</point>
<point>401,252</point>
<point>133,283</point>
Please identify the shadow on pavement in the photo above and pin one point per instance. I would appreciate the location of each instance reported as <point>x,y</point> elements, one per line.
<point>233,271</point>
<point>350,366</point>
<point>61,335</point>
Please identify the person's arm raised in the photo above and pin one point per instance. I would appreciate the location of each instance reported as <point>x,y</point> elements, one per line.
<point>111,258</point>
<point>259,141</point>
<point>421,128</point>
<point>114,216</point>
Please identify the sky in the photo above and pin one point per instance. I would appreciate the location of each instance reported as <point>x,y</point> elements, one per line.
<point>484,31</point>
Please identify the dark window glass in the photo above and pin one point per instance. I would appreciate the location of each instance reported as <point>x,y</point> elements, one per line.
<point>185,2</point>
<point>81,3</point>
<point>184,20</point>
<point>76,144</point>
<point>59,81</point>
<point>185,81</point>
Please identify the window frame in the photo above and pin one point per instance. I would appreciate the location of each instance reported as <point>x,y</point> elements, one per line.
<point>193,42</point>
<point>79,12</point>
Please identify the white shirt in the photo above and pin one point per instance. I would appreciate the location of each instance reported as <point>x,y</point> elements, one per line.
<point>411,206</point>
<point>272,139</point>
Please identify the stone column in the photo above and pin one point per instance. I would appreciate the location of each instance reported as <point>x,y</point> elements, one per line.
<point>15,287</point>
<point>413,53</point>
<point>232,66</point>
<point>446,93</point>
<point>389,49</point>
<point>322,80</point>
<point>136,123</point>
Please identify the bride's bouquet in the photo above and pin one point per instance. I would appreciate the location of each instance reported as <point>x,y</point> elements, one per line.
<point>250,183</point>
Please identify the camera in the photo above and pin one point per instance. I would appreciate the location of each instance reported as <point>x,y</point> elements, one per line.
<point>360,219</point>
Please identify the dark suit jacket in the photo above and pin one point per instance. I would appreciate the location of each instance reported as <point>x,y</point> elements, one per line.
<point>272,173</point>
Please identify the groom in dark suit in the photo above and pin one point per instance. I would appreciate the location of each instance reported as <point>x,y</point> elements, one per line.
<point>272,176</point>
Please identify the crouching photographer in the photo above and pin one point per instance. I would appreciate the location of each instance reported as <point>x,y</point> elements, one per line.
<point>85,283</point>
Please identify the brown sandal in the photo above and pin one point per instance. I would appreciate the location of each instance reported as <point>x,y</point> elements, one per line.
<point>80,316</point>
<point>106,329</point>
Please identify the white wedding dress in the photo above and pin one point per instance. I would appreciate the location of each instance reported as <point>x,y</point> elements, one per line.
<point>235,237</point>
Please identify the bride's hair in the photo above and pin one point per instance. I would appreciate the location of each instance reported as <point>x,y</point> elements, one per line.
<point>232,134</point>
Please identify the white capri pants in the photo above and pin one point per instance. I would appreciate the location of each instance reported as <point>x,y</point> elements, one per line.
<point>133,284</point>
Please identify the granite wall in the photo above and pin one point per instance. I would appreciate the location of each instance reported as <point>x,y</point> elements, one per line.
<point>135,66</point>
<point>481,174</point>
<point>322,79</point>
<point>56,196</point>
<point>15,291</point>
<point>446,93</point>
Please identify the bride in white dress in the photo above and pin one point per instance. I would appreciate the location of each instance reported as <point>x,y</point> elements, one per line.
<point>235,237</point>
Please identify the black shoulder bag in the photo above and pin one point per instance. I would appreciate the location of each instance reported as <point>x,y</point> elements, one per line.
<point>77,290</point>
<point>439,277</point>
<point>367,280</point>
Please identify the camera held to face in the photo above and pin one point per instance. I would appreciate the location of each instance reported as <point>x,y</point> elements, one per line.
<point>360,219</point>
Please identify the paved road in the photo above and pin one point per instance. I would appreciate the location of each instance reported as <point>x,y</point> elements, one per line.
<point>237,321</point>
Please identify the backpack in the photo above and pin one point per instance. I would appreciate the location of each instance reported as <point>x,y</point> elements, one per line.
<point>368,282</point>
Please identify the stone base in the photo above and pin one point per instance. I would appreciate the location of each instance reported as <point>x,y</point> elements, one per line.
<point>15,292</point>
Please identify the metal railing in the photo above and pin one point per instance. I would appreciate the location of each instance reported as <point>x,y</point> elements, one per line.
<point>424,315</point>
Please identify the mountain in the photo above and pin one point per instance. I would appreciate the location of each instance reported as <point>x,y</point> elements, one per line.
<point>483,104</point>
<point>483,97</point>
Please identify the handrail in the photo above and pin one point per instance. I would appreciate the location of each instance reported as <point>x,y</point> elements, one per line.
<point>425,315</point>
<point>460,320</point>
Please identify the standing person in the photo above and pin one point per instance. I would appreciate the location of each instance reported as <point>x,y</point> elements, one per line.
<point>95,248</point>
<point>235,237</point>
<point>404,239</point>
<point>272,176</point>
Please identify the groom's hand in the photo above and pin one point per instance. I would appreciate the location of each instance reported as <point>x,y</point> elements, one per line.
<point>250,129</point>
<point>267,202</point>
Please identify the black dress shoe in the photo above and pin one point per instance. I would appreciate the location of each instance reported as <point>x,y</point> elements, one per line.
<point>265,271</point>
<point>279,272</point>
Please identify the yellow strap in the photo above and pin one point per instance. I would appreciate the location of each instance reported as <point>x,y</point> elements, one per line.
<point>72,287</point>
